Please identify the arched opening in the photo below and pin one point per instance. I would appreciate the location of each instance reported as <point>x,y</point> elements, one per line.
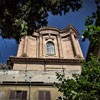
<point>50,48</point>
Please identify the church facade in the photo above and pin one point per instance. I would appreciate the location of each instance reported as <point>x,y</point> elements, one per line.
<point>33,71</point>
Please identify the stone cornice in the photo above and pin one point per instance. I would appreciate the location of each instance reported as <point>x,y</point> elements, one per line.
<point>55,61</point>
<point>14,83</point>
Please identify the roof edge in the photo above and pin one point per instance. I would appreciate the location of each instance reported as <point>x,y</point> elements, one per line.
<point>58,29</point>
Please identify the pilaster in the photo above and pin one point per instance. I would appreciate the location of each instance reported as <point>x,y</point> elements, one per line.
<point>40,46</point>
<point>59,46</point>
<point>75,49</point>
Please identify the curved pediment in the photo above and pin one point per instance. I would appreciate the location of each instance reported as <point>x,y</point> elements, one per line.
<point>49,28</point>
<point>56,31</point>
<point>69,30</point>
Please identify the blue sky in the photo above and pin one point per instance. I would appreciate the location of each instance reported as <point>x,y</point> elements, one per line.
<point>77,19</point>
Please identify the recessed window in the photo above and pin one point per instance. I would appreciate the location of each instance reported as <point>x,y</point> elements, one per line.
<point>50,48</point>
<point>18,95</point>
<point>44,95</point>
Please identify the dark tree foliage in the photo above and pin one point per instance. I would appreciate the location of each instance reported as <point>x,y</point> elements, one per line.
<point>87,85</point>
<point>4,67</point>
<point>92,24</point>
<point>83,87</point>
<point>92,31</point>
<point>25,16</point>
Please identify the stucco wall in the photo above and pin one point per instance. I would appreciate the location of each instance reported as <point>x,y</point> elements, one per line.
<point>47,67</point>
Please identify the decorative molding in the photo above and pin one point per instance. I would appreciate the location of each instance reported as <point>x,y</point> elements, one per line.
<point>24,55</point>
<point>22,83</point>
<point>55,61</point>
<point>49,37</point>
